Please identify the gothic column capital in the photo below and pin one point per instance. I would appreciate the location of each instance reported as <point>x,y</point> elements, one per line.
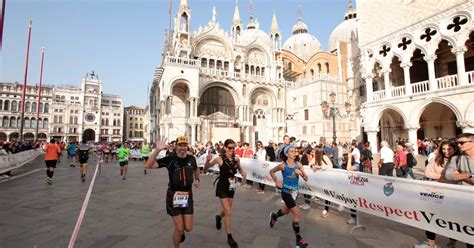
<point>413,127</point>
<point>369,130</point>
<point>368,76</point>
<point>406,65</point>
<point>459,50</point>
<point>430,58</point>
<point>464,124</point>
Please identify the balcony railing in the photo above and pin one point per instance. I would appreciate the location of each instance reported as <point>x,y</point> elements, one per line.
<point>243,76</point>
<point>398,91</point>
<point>447,82</point>
<point>379,95</point>
<point>442,83</point>
<point>181,61</point>
<point>420,87</point>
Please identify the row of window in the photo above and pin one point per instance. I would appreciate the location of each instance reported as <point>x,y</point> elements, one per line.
<point>106,131</point>
<point>107,114</point>
<point>320,68</point>
<point>30,107</point>
<point>136,118</point>
<point>136,125</point>
<point>105,122</point>
<point>15,122</point>
<point>138,134</point>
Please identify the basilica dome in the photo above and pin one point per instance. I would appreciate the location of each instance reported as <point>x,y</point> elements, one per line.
<point>346,31</point>
<point>301,43</point>
<point>254,34</point>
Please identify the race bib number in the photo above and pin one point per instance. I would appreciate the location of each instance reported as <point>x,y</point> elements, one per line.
<point>232,184</point>
<point>180,199</point>
<point>294,194</point>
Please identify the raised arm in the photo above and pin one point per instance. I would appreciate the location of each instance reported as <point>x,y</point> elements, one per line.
<point>210,163</point>
<point>151,162</point>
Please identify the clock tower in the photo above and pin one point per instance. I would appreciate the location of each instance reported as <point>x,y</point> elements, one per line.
<point>91,90</point>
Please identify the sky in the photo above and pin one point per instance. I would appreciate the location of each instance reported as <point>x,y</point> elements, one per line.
<point>122,40</point>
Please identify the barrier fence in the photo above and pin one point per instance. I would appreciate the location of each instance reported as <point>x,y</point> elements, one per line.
<point>441,208</point>
<point>14,161</point>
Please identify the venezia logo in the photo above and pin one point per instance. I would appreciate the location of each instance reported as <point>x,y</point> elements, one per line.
<point>388,189</point>
<point>357,180</point>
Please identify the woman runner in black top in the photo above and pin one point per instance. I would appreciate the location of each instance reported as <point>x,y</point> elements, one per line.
<point>226,185</point>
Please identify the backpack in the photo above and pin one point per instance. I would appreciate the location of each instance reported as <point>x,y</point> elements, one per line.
<point>411,161</point>
<point>83,154</point>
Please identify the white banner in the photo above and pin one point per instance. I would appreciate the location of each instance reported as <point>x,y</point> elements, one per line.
<point>440,208</point>
<point>13,161</point>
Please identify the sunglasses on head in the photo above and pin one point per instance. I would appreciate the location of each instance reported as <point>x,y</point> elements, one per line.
<point>463,142</point>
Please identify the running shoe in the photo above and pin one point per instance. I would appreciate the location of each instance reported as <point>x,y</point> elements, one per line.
<point>232,243</point>
<point>218,222</point>
<point>426,245</point>
<point>324,214</point>
<point>351,221</point>
<point>301,243</point>
<point>49,180</point>
<point>273,219</point>
<point>305,206</point>
<point>83,179</point>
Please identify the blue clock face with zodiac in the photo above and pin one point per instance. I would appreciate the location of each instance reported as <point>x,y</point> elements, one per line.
<point>90,117</point>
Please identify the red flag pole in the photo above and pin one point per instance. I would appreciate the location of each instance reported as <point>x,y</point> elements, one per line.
<point>23,94</point>
<point>39,93</point>
<point>2,21</point>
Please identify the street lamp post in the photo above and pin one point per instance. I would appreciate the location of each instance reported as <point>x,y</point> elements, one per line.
<point>333,111</point>
<point>39,93</point>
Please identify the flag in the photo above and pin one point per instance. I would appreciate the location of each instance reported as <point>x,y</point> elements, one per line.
<point>169,7</point>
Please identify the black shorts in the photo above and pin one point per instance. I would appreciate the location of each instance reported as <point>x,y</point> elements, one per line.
<point>175,211</point>
<point>123,163</point>
<point>145,158</point>
<point>223,191</point>
<point>83,161</point>
<point>51,163</point>
<point>288,199</point>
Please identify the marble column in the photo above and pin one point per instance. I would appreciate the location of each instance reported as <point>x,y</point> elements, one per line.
<point>369,87</point>
<point>372,138</point>
<point>406,76</point>
<point>431,72</point>
<point>386,81</point>
<point>193,134</point>
<point>413,138</point>
<point>462,77</point>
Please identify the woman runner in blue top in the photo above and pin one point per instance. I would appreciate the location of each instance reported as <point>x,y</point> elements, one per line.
<point>291,170</point>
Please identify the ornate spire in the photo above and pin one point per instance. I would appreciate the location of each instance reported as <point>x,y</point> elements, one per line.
<point>184,4</point>
<point>214,15</point>
<point>236,19</point>
<point>299,12</point>
<point>274,28</point>
<point>251,24</point>
<point>251,9</point>
<point>350,4</point>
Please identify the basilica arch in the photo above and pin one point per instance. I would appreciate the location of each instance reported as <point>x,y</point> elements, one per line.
<point>217,113</point>
<point>262,104</point>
